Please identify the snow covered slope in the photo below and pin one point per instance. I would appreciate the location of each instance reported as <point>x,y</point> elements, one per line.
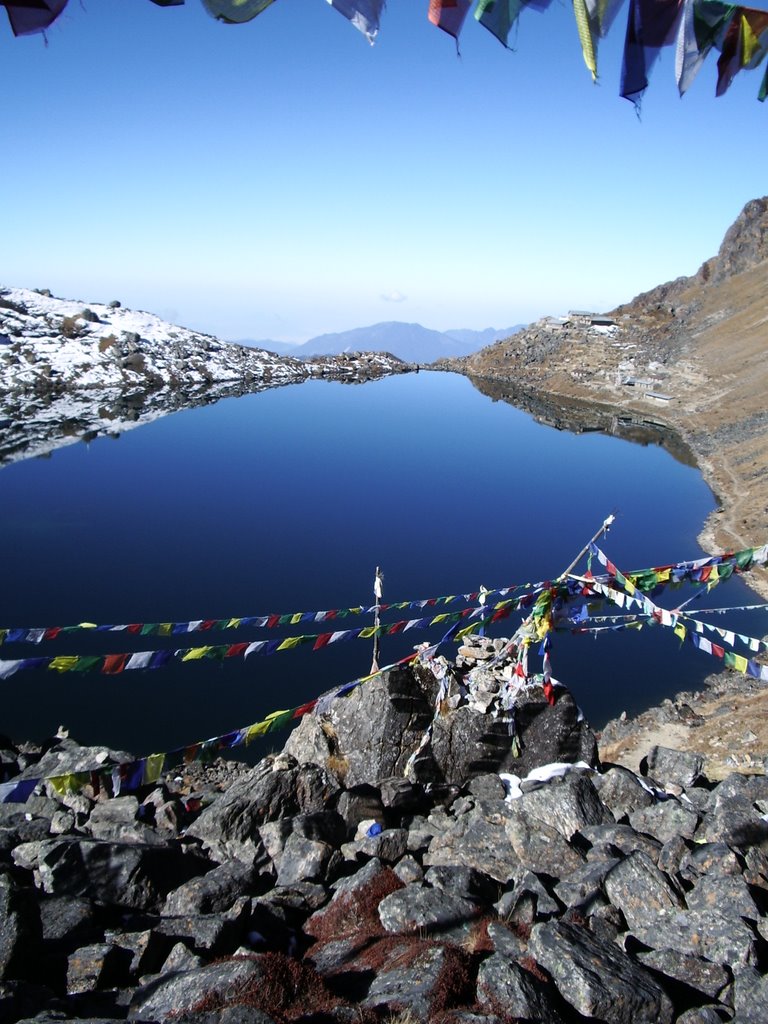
<point>71,370</point>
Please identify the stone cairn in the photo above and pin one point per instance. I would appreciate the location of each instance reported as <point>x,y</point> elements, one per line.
<point>411,855</point>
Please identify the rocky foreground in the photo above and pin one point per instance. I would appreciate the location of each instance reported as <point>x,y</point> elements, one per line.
<point>416,853</point>
<point>71,370</point>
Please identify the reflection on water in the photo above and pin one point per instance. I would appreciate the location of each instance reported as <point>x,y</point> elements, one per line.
<point>287,501</point>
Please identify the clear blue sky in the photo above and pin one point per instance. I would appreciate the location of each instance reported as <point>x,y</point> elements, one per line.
<point>283,178</point>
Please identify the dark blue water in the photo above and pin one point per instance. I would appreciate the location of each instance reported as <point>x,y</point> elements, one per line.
<point>287,501</point>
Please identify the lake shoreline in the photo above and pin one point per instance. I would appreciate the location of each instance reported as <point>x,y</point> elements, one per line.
<point>721,531</point>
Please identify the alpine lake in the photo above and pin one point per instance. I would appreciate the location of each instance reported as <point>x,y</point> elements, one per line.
<point>286,501</point>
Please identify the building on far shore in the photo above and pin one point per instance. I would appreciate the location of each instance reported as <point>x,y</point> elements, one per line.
<point>582,318</point>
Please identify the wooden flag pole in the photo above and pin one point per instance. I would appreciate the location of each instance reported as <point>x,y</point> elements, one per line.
<point>378,590</point>
<point>607,523</point>
<point>514,641</point>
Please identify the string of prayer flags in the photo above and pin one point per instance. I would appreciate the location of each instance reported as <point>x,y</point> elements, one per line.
<point>693,571</point>
<point>114,664</point>
<point>681,624</point>
<point>38,634</point>
<point>696,27</point>
<point>131,775</point>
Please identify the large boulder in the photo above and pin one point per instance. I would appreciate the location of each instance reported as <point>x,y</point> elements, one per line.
<point>19,930</point>
<point>388,727</point>
<point>130,875</point>
<point>272,791</point>
<point>597,978</point>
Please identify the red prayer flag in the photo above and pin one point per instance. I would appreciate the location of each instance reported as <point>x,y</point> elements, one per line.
<point>114,664</point>
<point>449,15</point>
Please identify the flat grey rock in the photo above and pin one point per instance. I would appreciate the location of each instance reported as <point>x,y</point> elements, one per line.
<point>665,820</point>
<point>597,978</point>
<point>694,971</point>
<point>503,983</point>
<point>179,992</point>
<point>637,888</point>
<point>621,791</point>
<point>420,910</point>
<point>723,940</point>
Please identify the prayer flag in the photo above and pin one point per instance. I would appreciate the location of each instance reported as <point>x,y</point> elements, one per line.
<point>586,36</point>
<point>153,768</point>
<point>26,19</point>
<point>448,15</point>
<point>744,45</point>
<point>498,16</point>
<point>235,12</point>
<point>651,24</point>
<point>364,15</point>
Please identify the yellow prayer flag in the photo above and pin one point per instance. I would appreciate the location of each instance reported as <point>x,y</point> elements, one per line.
<point>750,44</point>
<point>87,625</point>
<point>289,643</point>
<point>259,729</point>
<point>680,631</point>
<point>543,626</point>
<point>64,662</point>
<point>467,630</point>
<point>63,784</point>
<point>153,768</point>
<point>195,653</point>
<point>585,36</point>
<point>714,578</point>
<point>233,623</point>
<point>740,663</point>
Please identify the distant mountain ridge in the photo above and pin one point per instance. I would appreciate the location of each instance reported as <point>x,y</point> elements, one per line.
<point>412,343</point>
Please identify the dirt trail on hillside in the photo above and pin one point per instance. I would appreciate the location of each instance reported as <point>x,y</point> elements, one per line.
<point>727,724</point>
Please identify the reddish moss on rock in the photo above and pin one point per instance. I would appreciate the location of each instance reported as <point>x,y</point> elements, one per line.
<point>284,989</point>
<point>355,911</point>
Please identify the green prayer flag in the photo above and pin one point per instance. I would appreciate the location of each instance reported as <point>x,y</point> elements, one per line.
<point>498,16</point>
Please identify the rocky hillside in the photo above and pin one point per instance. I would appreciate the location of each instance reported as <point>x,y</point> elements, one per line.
<point>689,354</point>
<point>382,870</point>
<point>70,370</point>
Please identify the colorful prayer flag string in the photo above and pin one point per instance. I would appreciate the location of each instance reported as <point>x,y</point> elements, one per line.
<point>38,634</point>
<point>116,664</point>
<point>143,771</point>
<point>694,27</point>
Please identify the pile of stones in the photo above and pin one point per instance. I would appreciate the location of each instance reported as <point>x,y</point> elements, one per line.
<point>303,889</point>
